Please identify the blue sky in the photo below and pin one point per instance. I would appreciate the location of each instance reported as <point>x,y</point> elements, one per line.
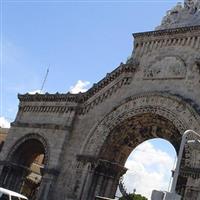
<point>76,40</point>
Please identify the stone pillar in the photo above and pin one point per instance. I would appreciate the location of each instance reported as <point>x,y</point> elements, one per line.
<point>101,179</point>
<point>48,177</point>
<point>110,173</point>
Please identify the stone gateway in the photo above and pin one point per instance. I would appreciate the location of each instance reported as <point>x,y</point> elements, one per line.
<point>74,146</point>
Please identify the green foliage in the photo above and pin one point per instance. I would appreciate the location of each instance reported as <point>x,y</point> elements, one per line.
<point>135,197</point>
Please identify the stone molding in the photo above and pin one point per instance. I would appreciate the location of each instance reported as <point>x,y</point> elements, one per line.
<point>85,108</point>
<point>173,108</point>
<point>167,31</point>
<point>47,109</point>
<point>43,126</point>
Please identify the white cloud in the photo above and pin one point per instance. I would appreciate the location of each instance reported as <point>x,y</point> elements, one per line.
<point>4,123</point>
<point>36,91</point>
<point>149,169</point>
<point>80,86</point>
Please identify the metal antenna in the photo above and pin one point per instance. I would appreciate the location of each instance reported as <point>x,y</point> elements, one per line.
<point>45,78</point>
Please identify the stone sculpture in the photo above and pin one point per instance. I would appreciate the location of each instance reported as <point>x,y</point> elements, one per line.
<point>182,15</point>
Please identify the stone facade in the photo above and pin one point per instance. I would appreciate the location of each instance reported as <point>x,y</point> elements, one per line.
<point>86,138</point>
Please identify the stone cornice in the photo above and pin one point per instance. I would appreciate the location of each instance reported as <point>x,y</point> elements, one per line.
<point>50,97</point>
<point>147,42</point>
<point>167,31</point>
<point>81,97</point>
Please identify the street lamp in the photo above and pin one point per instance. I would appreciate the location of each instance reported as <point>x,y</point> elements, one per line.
<point>160,195</point>
<point>180,154</point>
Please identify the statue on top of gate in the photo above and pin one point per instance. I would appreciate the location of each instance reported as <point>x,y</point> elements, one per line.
<point>182,15</point>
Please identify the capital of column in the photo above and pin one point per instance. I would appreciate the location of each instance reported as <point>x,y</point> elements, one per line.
<point>50,171</point>
<point>110,168</point>
<point>105,167</point>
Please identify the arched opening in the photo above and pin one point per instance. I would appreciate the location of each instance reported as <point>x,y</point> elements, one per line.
<point>121,141</point>
<point>23,172</point>
<point>127,135</point>
<point>150,167</point>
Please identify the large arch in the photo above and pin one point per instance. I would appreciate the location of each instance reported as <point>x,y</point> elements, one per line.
<point>25,164</point>
<point>133,121</point>
<point>172,107</point>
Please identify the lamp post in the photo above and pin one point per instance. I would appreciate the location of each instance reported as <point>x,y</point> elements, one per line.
<point>172,195</point>
<point>180,154</point>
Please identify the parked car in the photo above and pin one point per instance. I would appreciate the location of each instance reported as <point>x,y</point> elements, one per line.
<point>6,194</point>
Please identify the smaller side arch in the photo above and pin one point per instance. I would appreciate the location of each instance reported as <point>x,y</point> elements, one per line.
<point>25,165</point>
<point>31,136</point>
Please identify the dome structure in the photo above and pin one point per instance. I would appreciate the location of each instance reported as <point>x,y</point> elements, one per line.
<point>182,15</point>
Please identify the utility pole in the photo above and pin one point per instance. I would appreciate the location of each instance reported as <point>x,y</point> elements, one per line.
<point>45,78</point>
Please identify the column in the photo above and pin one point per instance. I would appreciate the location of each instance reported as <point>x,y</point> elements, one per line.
<point>48,176</point>
<point>103,180</point>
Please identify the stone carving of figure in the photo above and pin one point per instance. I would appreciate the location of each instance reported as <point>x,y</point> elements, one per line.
<point>179,16</point>
<point>192,5</point>
<point>172,14</point>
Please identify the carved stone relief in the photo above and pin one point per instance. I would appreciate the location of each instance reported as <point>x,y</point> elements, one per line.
<point>167,68</point>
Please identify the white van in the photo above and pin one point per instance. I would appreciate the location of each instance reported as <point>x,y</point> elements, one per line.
<point>10,195</point>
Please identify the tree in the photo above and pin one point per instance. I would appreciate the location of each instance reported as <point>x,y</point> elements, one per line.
<point>135,197</point>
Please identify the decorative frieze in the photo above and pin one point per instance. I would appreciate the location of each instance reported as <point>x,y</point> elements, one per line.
<point>50,97</point>
<point>161,33</point>
<point>154,40</point>
<point>47,109</point>
<point>41,125</point>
